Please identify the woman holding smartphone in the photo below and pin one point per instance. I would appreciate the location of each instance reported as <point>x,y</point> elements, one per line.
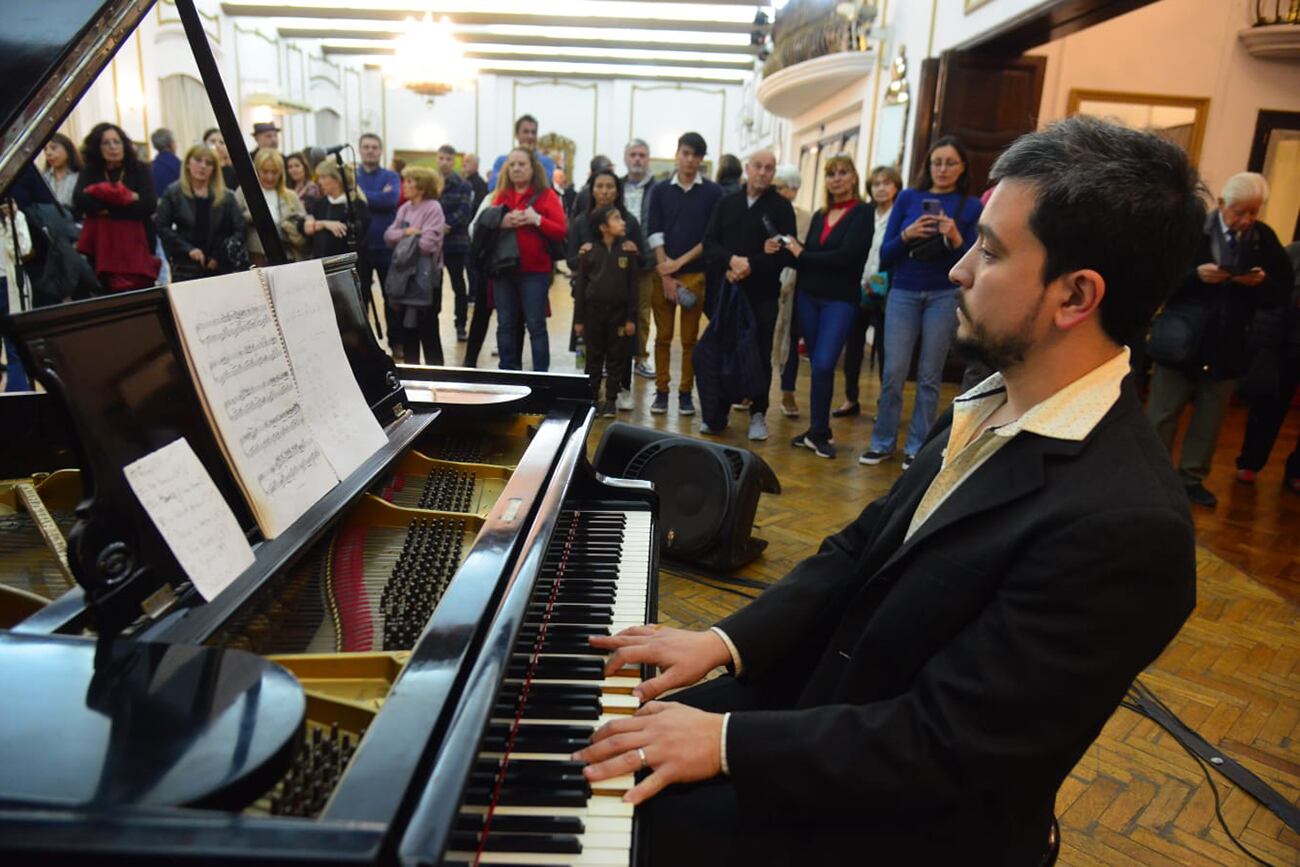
<point>932,225</point>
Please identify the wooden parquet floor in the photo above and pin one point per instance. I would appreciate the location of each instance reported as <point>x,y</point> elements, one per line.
<point>1232,673</point>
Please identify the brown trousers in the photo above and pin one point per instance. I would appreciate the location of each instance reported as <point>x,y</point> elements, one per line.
<point>665,313</point>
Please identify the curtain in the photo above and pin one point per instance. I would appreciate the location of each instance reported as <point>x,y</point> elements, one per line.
<point>186,110</point>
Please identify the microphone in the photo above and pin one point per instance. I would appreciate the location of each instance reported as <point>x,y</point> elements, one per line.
<point>338,148</point>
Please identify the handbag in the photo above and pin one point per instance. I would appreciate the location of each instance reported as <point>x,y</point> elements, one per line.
<point>929,249</point>
<point>1177,332</point>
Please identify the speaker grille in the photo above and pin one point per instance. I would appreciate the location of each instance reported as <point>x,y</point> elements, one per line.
<point>695,492</point>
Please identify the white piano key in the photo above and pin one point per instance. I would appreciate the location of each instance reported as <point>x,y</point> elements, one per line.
<point>588,857</point>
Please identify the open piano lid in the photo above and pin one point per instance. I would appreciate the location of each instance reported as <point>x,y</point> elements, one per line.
<point>50,52</point>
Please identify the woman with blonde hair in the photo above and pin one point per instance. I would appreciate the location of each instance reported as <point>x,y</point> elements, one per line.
<point>413,288</point>
<point>286,210</point>
<point>199,221</point>
<point>533,211</point>
<point>829,262</point>
<point>327,221</point>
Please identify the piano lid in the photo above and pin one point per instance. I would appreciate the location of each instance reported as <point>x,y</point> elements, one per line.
<point>51,51</point>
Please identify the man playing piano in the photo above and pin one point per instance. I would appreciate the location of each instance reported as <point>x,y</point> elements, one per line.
<point>916,691</point>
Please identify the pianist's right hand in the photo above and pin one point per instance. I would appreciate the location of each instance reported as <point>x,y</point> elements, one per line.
<point>682,656</point>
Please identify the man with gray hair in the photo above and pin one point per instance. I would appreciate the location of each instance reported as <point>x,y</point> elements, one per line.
<point>1199,343</point>
<point>637,184</point>
<point>166,165</point>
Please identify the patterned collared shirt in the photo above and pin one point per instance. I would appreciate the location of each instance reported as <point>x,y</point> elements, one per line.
<point>1070,414</point>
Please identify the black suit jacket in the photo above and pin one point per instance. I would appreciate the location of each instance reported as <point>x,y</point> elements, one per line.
<point>940,689</point>
<point>736,229</point>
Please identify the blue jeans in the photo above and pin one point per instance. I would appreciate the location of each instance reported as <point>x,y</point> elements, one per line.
<point>522,294</point>
<point>931,315</point>
<point>825,326</point>
<point>15,374</point>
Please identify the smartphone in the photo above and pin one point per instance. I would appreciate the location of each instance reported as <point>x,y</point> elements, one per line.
<point>770,227</point>
<point>931,207</point>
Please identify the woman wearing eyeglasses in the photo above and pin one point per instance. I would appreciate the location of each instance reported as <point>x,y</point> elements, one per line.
<point>931,227</point>
<point>829,262</point>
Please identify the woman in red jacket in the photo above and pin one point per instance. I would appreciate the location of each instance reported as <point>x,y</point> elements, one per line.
<point>534,213</point>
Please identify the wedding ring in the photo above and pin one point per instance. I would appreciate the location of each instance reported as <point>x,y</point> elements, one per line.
<point>640,751</point>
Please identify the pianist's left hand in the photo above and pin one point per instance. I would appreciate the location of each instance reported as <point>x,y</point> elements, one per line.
<point>681,744</point>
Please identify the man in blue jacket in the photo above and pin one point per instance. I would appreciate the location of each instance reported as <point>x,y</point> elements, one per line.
<point>382,188</point>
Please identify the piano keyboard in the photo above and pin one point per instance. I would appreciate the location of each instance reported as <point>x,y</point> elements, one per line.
<point>527,802</point>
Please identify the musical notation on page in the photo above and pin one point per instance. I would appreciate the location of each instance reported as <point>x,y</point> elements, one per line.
<point>195,521</point>
<point>334,405</point>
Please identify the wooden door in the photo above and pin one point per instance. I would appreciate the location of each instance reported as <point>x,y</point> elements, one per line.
<point>988,101</point>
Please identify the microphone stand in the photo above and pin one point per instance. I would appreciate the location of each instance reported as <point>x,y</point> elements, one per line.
<point>367,292</point>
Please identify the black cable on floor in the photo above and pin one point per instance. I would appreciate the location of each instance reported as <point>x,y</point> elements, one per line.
<point>698,579</point>
<point>720,577</point>
<point>1205,769</point>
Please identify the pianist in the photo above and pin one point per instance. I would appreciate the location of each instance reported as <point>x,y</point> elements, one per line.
<point>916,691</point>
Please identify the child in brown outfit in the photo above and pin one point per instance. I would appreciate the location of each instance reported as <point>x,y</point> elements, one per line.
<point>605,304</point>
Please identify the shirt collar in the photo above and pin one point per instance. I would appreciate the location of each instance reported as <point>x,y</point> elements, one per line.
<point>337,200</point>
<point>1070,414</point>
<point>1223,226</point>
<point>645,179</point>
<point>698,180</point>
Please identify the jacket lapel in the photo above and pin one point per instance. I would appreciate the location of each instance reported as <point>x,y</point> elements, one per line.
<point>1015,471</point>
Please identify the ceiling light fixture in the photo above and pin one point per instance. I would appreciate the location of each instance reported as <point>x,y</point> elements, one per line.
<point>428,59</point>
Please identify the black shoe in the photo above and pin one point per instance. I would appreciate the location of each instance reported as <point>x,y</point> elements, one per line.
<point>847,410</point>
<point>820,445</point>
<point>461,336</point>
<point>1201,497</point>
<point>907,460</point>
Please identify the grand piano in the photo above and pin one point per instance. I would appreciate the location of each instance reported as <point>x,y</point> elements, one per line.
<point>399,678</point>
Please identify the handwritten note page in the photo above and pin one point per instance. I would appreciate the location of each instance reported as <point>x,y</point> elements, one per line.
<point>235,354</point>
<point>335,407</point>
<point>193,518</point>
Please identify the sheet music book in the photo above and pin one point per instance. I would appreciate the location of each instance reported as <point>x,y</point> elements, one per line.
<point>194,519</point>
<point>336,409</point>
<point>273,429</point>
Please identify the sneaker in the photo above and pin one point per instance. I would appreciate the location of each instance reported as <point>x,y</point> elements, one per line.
<point>605,409</point>
<point>685,405</point>
<point>1201,497</point>
<point>819,445</point>
<point>643,369</point>
<point>660,406</point>
<point>871,458</point>
<point>624,402</point>
<point>461,335</point>
<point>789,408</point>
<point>907,460</point>
<point>1246,477</point>
<point>757,427</point>
<point>741,405</point>
<point>711,431</point>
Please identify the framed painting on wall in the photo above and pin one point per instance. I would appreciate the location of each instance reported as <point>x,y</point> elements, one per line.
<point>1179,119</point>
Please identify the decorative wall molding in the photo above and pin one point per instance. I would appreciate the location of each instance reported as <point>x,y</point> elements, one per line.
<point>713,91</point>
<point>167,13</point>
<point>516,84</point>
<point>1273,42</point>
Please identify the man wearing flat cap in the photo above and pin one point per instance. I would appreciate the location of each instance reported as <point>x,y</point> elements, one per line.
<point>267,135</point>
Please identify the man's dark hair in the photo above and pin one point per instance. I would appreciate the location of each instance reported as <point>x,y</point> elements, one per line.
<point>598,162</point>
<point>375,136</point>
<point>600,216</point>
<point>695,142</point>
<point>1125,204</point>
<point>729,169</point>
<point>523,119</point>
<point>447,149</point>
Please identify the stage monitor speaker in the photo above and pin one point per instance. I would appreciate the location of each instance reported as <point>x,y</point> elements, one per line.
<point>708,493</point>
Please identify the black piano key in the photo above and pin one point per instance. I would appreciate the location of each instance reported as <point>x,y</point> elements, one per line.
<point>528,796</point>
<point>522,824</point>
<point>550,843</point>
<point>552,710</point>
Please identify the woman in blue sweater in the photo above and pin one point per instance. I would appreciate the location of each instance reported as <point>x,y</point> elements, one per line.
<point>932,226</point>
<point>830,264</point>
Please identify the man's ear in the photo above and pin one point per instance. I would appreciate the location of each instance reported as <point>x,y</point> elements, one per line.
<point>1082,292</point>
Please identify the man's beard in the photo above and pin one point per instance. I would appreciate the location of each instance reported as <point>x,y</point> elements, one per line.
<point>1001,352</point>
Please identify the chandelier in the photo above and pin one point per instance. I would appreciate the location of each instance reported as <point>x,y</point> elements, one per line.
<point>427,58</point>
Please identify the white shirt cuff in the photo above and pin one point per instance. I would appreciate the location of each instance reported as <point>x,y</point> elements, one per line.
<point>655,240</point>
<point>731,649</point>
<point>726,769</point>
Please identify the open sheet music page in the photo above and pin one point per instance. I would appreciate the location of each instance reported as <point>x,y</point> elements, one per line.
<point>233,346</point>
<point>336,410</point>
<point>194,519</point>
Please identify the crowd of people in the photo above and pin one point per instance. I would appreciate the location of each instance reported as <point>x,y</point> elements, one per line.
<point>869,267</point>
